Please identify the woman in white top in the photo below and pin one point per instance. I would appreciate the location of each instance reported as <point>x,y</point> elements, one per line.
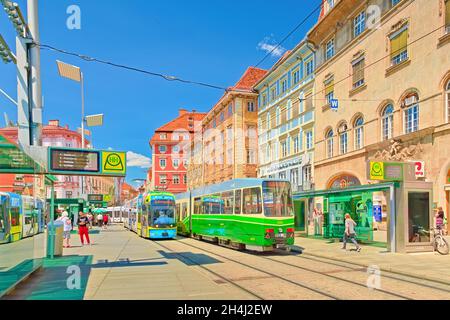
<point>67,228</point>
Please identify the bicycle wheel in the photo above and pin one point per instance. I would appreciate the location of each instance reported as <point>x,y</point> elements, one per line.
<point>441,245</point>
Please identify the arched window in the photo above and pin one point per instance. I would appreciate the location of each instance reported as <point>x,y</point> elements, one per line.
<point>359,133</point>
<point>410,107</point>
<point>448,101</point>
<point>387,122</point>
<point>329,138</point>
<point>343,138</point>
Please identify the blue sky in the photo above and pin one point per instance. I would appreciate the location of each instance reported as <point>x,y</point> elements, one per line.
<point>207,41</point>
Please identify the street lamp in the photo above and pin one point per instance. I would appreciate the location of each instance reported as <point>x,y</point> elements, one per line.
<point>5,52</point>
<point>74,73</point>
<point>16,17</point>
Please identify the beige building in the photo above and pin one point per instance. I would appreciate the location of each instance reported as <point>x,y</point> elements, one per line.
<point>226,148</point>
<point>387,64</point>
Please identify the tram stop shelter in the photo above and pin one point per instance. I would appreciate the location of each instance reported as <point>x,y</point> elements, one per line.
<point>394,212</point>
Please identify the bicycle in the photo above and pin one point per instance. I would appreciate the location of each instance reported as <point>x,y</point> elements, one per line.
<point>440,244</point>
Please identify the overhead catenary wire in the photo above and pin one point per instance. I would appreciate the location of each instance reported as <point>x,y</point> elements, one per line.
<point>278,45</point>
<point>263,122</point>
<point>135,69</point>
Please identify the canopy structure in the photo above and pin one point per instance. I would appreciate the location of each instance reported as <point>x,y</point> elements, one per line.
<point>99,210</point>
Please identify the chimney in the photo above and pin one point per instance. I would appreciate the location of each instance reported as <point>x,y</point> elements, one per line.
<point>53,123</point>
<point>182,112</point>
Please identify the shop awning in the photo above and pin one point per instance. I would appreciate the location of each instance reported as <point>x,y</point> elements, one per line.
<point>347,191</point>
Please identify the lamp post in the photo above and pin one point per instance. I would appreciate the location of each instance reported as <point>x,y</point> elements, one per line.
<point>74,73</point>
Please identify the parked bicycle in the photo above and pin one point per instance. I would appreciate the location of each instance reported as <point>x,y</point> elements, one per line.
<point>439,242</point>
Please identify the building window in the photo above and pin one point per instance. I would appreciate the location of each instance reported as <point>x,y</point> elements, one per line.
<point>264,100</point>
<point>251,107</point>
<point>447,16</point>
<point>358,72</point>
<point>359,24</point>
<point>176,149</point>
<point>69,194</point>
<point>359,133</point>
<point>284,85</point>
<point>329,90</point>
<point>230,109</point>
<point>296,76</point>
<point>251,156</point>
<point>309,140</point>
<point>163,136</point>
<point>162,163</point>
<point>307,177</point>
<point>343,138</point>
<point>309,67</point>
<point>284,149</point>
<point>185,179</point>
<point>395,2</point>
<point>162,149</point>
<point>176,179</point>
<point>162,179</point>
<point>294,178</point>
<point>329,52</point>
<point>273,94</point>
<point>399,46</point>
<point>222,116</point>
<point>330,143</point>
<point>411,112</point>
<point>387,122</point>
<point>296,144</point>
<point>278,116</point>
<point>448,100</point>
<point>176,163</point>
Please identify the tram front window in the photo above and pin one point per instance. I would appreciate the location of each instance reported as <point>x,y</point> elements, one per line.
<point>277,199</point>
<point>162,215</point>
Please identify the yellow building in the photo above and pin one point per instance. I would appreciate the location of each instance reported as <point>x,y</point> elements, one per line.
<point>226,148</point>
<point>387,64</point>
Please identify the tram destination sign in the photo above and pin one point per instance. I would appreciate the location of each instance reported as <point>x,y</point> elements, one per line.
<point>66,161</point>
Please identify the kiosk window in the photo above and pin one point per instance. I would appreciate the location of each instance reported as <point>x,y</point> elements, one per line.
<point>418,216</point>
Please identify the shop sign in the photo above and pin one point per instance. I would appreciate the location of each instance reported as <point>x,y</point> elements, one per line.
<point>344,182</point>
<point>385,171</point>
<point>419,169</point>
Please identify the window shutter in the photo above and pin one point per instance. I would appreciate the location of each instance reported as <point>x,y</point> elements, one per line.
<point>358,71</point>
<point>399,43</point>
<point>329,87</point>
<point>447,10</point>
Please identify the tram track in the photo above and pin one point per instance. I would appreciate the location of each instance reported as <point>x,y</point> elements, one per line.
<point>386,274</point>
<point>406,278</point>
<point>229,281</point>
<point>273,275</point>
<point>398,296</point>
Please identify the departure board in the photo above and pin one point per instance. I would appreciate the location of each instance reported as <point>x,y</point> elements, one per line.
<point>75,161</point>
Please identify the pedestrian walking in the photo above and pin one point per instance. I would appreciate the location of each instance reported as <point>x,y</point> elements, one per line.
<point>105,221</point>
<point>83,229</point>
<point>99,220</point>
<point>67,228</point>
<point>349,233</point>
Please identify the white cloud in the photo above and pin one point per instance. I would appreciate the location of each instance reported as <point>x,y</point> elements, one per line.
<point>138,160</point>
<point>269,45</point>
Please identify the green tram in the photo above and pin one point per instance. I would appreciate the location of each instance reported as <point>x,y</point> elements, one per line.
<point>252,214</point>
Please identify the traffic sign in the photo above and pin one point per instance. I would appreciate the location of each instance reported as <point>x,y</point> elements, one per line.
<point>113,162</point>
<point>334,104</point>
<point>386,171</point>
<point>377,171</point>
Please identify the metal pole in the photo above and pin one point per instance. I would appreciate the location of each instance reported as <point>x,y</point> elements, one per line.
<point>82,128</point>
<point>52,233</point>
<point>35,70</point>
<point>392,219</point>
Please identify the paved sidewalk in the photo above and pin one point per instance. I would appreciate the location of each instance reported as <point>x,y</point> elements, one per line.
<point>430,266</point>
<point>121,266</point>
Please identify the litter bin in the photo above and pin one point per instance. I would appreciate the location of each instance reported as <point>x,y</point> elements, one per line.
<point>55,239</point>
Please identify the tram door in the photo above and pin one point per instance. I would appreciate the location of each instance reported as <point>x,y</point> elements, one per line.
<point>299,208</point>
<point>5,225</point>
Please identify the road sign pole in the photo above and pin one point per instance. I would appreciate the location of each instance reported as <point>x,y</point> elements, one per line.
<point>23,107</point>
